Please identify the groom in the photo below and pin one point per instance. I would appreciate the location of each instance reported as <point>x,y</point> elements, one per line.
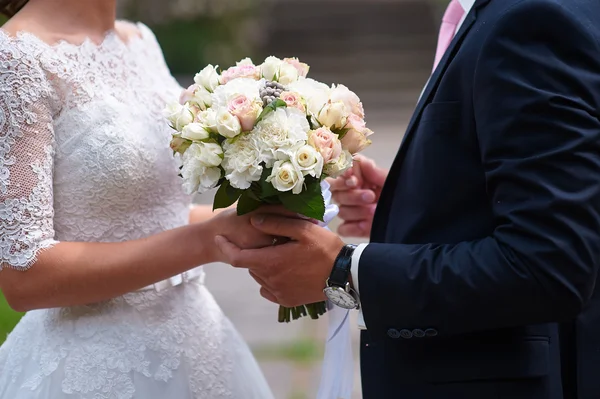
<point>480,278</point>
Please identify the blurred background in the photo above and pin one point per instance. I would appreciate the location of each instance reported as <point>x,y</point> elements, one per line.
<point>381,49</point>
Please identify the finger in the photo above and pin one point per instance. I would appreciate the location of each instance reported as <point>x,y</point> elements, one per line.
<point>355,197</point>
<point>353,229</point>
<point>278,226</point>
<point>227,248</point>
<point>371,173</point>
<point>267,295</point>
<point>356,213</point>
<point>339,184</point>
<point>262,282</point>
<point>241,258</point>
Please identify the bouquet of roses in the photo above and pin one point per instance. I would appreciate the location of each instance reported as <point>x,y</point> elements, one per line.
<point>266,134</point>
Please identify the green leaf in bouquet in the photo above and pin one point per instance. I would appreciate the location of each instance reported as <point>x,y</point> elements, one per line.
<point>226,195</point>
<point>266,188</point>
<point>247,203</point>
<point>270,108</point>
<point>309,202</point>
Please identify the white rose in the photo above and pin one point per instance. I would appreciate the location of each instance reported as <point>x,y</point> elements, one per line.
<point>287,74</point>
<point>178,115</point>
<point>203,98</point>
<point>195,132</point>
<point>314,93</point>
<point>207,154</point>
<point>199,172</point>
<point>334,115</point>
<point>208,78</point>
<point>286,177</point>
<point>241,162</point>
<point>281,130</point>
<point>208,119</point>
<point>308,160</point>
<point>228,125</point>
<point>337,167</point>
<point>270,68</point>
<point>241,86</point>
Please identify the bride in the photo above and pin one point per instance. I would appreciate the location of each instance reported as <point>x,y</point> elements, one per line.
<point>94,234</point>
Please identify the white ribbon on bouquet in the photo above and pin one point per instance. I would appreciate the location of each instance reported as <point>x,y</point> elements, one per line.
<point>338,363</point>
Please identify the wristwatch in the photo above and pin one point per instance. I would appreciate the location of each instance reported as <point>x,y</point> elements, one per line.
<point>337,288</point>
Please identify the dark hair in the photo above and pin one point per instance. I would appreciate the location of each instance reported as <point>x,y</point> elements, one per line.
<point>11,7</point>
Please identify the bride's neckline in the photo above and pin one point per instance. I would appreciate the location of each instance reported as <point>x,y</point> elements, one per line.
<point>110,36</point>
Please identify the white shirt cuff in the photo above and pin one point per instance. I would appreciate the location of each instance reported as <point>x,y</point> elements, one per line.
<point>354,271</point>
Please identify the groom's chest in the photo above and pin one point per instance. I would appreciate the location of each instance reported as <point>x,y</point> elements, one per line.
<point>439,179</point>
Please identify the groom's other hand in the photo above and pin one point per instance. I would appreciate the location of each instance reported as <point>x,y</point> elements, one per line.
<point>293,273</point>
<point>357,193</point>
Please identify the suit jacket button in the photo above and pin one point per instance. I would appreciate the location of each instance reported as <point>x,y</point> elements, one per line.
<point>406,334</point>
<point>418,333</point>
<point>393,333</point>
<point>431,332</point>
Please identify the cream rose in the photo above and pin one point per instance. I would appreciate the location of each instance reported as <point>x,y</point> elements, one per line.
<point>287,74</point>
<point>326,142</point>
<point>245,110</point>
<point>228,125</point>
<point>202,98</point>
<point>349,98</point>
<point>207,78</point>
<point>270,68</point>
<point>355,140</point>
<point>178,115</point>
<point>208,119</point>
<point>337,167</point>
<point>195,132</point>
<point>286,177</point>
<point>308,160</point>
<point>334,115</point>
<point>301,67</point>
<point>292,100</point>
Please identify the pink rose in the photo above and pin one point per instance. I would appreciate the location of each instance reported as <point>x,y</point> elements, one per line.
<point>349,98</point>
<point>246,111</point>
<point>293,100</point>
<point>187,94</point>
<point>301,67</point>
<point>326,142</point>
<point>355,140</point>
<point>240,71</point>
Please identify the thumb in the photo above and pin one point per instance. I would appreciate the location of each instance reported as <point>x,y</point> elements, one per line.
<point>280,226</point>
<point>229,251</point>
<point>371,173</point>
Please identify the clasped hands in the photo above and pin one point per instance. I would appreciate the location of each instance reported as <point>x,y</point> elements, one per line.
<point>294,271</point>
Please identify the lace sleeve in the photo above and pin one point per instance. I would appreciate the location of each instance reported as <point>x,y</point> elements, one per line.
<point>26,158</point>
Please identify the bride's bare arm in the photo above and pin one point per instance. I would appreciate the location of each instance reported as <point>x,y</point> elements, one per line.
<point>72,273</point>
<point>202,213</point>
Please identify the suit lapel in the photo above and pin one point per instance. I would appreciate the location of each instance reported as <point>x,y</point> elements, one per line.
<point>439,72</point>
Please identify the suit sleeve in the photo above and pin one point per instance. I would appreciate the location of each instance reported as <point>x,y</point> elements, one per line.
<point>537,102</point>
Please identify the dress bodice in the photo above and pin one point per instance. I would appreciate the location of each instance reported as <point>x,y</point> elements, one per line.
<point>84,148</point>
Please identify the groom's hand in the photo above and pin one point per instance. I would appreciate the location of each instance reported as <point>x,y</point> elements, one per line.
<point>357,193</point>
<point>293,273</point>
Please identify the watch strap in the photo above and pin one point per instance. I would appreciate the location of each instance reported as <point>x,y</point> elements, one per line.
<point>340,274</point>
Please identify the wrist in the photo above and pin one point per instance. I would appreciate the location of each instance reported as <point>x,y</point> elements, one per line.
<point>203,237</point>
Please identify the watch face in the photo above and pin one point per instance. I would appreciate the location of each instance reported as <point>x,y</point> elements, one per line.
<point>340,297</point>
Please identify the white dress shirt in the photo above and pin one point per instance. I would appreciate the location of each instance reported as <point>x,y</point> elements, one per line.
<point>466,5</point>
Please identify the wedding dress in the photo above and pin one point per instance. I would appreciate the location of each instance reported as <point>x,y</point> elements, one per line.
<point>84,156</point>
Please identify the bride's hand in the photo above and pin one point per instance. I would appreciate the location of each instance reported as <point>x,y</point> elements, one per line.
<point>238,230</point>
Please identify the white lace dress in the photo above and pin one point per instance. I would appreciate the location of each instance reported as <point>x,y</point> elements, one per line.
<point>84,156</point>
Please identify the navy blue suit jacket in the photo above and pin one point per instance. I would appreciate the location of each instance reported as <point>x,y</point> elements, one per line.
<point>480,282</point>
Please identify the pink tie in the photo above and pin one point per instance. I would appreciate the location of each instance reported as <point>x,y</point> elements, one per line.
<point>452,17</point>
